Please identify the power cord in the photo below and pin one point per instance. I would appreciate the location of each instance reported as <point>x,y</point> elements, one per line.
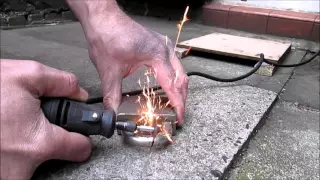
<point>194,73</point>
<point>295,65</point>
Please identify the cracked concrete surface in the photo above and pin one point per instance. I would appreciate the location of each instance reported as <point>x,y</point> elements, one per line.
<point>303,87</point>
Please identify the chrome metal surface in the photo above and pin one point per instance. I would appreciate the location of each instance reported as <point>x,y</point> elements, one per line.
<point>145,129</point>
<point>160,140</point>
<point>128,111</point>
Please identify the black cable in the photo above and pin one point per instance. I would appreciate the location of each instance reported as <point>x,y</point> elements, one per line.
<point>257,66</point>
<point>294,65</point>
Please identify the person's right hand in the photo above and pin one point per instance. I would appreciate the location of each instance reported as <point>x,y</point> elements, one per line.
<point>27,137</point>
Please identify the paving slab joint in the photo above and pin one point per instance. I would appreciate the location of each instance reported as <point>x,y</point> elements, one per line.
<point>242,150</point>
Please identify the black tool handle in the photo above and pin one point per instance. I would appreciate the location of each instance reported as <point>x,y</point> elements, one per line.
<point>79,117</point>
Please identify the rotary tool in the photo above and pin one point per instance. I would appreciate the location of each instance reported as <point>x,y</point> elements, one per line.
<point>85,119</point>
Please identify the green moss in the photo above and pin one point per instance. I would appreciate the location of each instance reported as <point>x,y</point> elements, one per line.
<point>247,175</point>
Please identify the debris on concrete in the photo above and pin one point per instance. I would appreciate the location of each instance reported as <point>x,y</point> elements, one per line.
<point>35,17</point>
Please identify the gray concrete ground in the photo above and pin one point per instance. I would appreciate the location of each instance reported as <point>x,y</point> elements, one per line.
<point>287,147</point>
<point>303,86</point>
<point>284,148</point>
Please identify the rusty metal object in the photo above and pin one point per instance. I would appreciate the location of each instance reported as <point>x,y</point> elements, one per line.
<point>128,111</point>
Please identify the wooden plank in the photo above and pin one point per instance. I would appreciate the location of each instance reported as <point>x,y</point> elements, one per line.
<point>237,46</point>
<point>264,70</point>
<point>181,52</point>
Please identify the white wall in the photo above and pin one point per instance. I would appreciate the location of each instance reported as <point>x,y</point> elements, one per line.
<point>295,5</point>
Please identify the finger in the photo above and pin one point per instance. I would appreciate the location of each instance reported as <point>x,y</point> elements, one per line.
<point>173,80</point>
<point>69,146</point>
<point>111,78</point>
<point>56,83</point>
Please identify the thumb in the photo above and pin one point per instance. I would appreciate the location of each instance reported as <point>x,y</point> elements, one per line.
<point>69,146</point>
<point>52,82</point>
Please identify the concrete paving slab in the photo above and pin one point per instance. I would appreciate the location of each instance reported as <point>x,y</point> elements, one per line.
<point>286,147</point>
<point>303,86</point>
<point>218,121</point>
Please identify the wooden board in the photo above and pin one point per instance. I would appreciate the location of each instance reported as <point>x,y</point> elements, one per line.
<point>237,46</point>
<point>264,70</point>
<point>181,52</point>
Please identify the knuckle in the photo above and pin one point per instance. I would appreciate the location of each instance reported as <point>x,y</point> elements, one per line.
<point>185,78</point>
<point>111,101</point>
<point>32,74</point>
<point>35,67</point>
<point>183,83</point>
<point>93,52</point>
<point>72,80</point>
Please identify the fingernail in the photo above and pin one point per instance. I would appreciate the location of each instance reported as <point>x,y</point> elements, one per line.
<point>83,94</point>
<point>88,150</point>
<point>180,117</point>
<point>180,123</point>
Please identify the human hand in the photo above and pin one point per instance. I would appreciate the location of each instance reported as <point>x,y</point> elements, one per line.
<point>118,46</point>
<point>27,137</point>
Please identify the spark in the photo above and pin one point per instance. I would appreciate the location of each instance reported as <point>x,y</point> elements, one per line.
<point>139,101</point>
<point>187,52</point>
<point>165,132</point>
<point>150,102</point>
<point>176,78</point>
<point>167,104</point>
<point>160,103</point>
<point>184,19</point>
<point>166,40</point>
<point>155,73</point>
<point>148,80</point>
